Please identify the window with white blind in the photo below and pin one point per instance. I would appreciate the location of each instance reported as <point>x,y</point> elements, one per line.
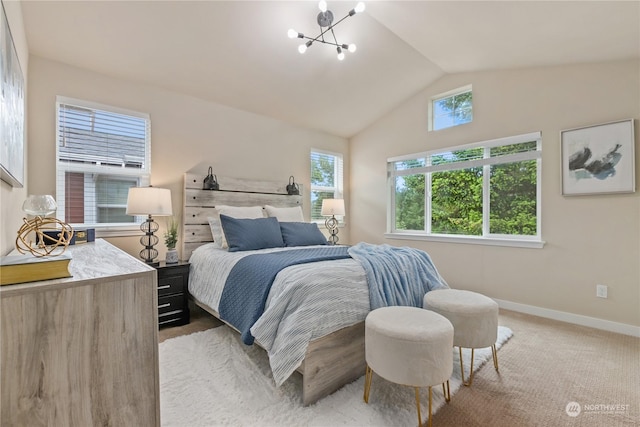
<point>326,180</point>
<point>487,192</point>
<point>101,152</point>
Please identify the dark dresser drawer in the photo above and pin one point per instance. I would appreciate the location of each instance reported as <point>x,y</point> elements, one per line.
<point>170,285</point>
<point>170,304</point>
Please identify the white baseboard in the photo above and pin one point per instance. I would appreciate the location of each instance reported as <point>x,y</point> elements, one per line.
<point>593,322</point>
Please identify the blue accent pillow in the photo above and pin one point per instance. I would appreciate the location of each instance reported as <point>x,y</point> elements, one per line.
<point>250,234</point>
<point>302,234</point>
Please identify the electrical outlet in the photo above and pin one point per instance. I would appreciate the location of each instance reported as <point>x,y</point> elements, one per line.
<point>601,291</point>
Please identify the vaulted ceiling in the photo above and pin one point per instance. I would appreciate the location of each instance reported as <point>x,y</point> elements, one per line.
<point>237,53</point>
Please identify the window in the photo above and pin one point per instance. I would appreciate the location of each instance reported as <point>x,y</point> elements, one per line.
<point>101,152</point>
<point>451,109</point>
<point>326,180</point>
<point>487,191</point>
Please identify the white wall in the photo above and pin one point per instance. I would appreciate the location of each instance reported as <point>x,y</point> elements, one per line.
<point>11,198</point>
<point>590,239</point>
<point>186,133</point>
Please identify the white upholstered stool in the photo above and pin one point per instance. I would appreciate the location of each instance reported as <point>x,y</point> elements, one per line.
<point>409,346</point>
<point>474,318</point>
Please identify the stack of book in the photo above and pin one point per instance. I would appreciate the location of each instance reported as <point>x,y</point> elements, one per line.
<point>28,268</point>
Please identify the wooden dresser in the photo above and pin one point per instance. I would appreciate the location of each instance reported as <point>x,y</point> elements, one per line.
<point>82,351</point>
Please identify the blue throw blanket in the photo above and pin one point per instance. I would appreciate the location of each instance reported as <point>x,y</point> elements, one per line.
<point>249,282</point>
<point>397,276</point>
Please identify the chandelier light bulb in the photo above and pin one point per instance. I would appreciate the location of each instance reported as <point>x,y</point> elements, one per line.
<point>322,6</point>
<point>352,48</point>
<point>302,48</point>
<point>292,33</point>
<point>340,54</point>
<point>360,7</point>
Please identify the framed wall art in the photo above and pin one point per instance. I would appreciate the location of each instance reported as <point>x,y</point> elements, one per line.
<point>11,109</point>
<point>598,159</point>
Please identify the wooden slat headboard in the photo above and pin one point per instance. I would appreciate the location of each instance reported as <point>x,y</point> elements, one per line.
<point>198,204</point>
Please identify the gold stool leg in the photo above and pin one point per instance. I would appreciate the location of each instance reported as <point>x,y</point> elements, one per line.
<point>446,391</point>
<point>418,406</point>
<point>467,384</point>
<point>429,406</point>
<point>494,352</point>
<point>368,376</point>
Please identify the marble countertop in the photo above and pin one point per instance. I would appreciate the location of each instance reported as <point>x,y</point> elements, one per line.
<point>93,260</point>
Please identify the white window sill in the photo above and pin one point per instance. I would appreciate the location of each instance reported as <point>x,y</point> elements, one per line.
<point>470,240</point>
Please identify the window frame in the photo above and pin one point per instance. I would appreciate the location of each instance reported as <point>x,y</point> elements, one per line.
<point>487,238</point>
<point>449,94</point>
<point>142,175</point>
<point>337,189</point>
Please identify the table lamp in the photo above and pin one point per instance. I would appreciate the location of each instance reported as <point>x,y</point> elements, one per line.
<point>149,201</point>
<point>332,207</point>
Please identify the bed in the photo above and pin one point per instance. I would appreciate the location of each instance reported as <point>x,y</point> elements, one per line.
<point>328,351</point>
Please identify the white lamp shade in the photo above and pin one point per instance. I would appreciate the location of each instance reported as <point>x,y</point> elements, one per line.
<point>149,201</point>
<point>332,207</point>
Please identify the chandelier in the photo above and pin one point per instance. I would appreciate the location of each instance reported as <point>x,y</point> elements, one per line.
<point>325,20</point>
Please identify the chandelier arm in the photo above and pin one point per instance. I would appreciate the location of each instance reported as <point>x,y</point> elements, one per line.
<point>333,25</point>
<point>325,42</point>
<point>334,36</point>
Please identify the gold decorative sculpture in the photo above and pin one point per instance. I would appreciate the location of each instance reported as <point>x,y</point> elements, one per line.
<point>40,235</point>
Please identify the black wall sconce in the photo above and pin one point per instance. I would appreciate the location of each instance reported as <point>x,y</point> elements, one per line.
<point>292,188</point>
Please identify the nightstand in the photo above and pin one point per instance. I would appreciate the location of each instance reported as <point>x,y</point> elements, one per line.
<point>173,302</point>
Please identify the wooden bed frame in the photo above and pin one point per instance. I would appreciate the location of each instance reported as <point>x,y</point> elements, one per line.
<point>331,361</point>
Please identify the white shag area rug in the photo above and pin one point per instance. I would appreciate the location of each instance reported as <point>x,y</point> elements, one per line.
<point>211,378</point>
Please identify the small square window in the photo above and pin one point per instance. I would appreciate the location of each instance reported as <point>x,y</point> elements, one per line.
<point>451,109</point>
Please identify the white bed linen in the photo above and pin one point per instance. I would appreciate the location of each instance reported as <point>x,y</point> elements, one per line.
<point>306,301</point>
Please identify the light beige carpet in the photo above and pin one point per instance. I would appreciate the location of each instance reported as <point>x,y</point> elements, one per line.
<point>547,366</point>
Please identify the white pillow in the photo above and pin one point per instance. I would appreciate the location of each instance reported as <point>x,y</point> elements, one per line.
<point>293,214</point>
<point>249,212</point>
